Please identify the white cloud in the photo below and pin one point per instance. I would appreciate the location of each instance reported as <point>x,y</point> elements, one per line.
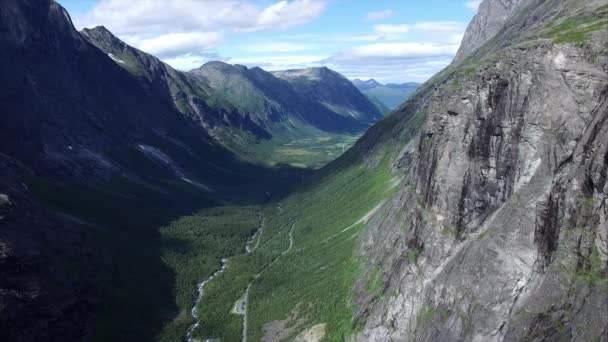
<point>174,44</point>
<point>286,14</point>
<point>163,16</point>
<point>172,27</point>
<point>391,29</point>
<point>397,50</point>
<point>191,61</point>
<point>272,63</point>
<point>277,47</point>
<point>473,4</point>
<point>374,16</point>
<point>440,26</point>
<point>392,70</point>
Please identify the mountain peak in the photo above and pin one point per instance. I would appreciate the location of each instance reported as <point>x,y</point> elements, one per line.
<point>490,18</point>
<point>371,83</point>
<point>313,73</point>
<point>221,66</point>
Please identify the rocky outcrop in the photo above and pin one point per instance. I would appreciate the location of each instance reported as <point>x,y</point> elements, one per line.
<point>499,230</point>
<point>490,18</point>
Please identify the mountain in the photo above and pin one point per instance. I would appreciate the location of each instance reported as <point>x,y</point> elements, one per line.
<point>241,106</point>
<point>476,211</point>
<point>490,18</point>
<point>365,85</point>
<point>92,162</point>
<point>194,99</point>
<point>381,106</point>
<point>280,100</point>
<point>391,95</point>
<point>496,231</point>
<point>333,91</point>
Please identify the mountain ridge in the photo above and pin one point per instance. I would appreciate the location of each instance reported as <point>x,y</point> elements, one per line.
<point>390,95</point>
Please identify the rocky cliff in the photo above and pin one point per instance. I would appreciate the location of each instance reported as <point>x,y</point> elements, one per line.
<point>498,231</point>
<point>489,19</point>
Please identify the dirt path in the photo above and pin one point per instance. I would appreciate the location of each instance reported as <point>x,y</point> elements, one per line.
<point>364,219</point>
<point>241,305</point>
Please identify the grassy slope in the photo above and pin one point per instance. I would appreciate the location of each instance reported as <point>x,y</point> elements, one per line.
<point>315,275</point>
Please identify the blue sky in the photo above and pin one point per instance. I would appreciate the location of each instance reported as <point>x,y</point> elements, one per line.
<point>389,40</point>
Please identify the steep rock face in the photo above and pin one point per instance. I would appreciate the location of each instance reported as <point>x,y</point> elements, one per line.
<point>499,230</point>
<point>489,19</point>
<point>333,91</point>
<point>48,287</point>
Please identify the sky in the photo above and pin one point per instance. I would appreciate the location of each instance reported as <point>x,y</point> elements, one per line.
<point>392,41</point>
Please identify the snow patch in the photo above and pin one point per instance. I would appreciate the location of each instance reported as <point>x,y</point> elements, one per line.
<point>116,59</point>
<point>197,184</point>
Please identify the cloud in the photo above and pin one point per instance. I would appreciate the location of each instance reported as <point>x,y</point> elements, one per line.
<point>191,61</point>
<point>391,29</point>
<point>174,44</point>
<point>474,4</point>
<point>397,51</point>
<point>284,14</point>
<point>193,15</point>
<point>277,47</point>
<point>173,27</point>
<point>393,71</point>
<point>272,63</point>
<point>374,16</point>
<point>440,26</point>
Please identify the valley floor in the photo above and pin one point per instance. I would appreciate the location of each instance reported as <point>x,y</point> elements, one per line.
<point>312,151</point>
<point>290,265</point>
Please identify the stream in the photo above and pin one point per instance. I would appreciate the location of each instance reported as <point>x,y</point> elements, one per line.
<point>201,292</point>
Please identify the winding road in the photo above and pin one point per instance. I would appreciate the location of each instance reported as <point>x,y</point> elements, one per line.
<point>240,307</point>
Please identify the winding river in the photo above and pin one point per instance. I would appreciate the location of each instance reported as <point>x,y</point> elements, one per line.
<point>201,292</point>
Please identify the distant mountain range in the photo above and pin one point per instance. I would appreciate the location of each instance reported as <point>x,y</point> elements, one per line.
<point>390,95</point>
<point>232,101</point>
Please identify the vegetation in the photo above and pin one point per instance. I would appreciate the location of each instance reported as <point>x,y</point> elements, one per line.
<point>592,273</point>
<point>412,255</point>
<point>470,71</point>
<point>192,248</point>
<point>375,285</point>
<point>574,29</point>
<point>315,275</point>
<point>313,150</point>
